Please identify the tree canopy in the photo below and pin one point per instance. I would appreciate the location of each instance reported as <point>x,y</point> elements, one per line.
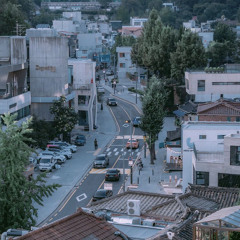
<point>17,193</point>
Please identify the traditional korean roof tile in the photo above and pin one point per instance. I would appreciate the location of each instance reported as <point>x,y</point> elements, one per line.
<point>221,107</point>
<point>225,197</point>
<point>188,107</point>
<point>80,225</point>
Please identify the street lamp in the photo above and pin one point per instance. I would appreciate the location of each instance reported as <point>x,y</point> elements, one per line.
<point>131,172</point>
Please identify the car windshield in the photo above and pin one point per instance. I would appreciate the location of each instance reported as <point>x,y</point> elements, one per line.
<point>112,99</point>
<point>81,137</point>
<point>47,153</point>
<point>45,161</point>
<point>112,171</point>
<point>100,158</point>
<point>100,194</point>
<point>132,140</point>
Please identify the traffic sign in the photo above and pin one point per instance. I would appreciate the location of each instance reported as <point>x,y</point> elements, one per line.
<point>130,163</point>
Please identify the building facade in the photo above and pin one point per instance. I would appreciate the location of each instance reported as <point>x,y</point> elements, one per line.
<point>211,154</point>
<point>82,73</point>
<point>203,86</point>
<point>48,57</point>
<point>15,96</point>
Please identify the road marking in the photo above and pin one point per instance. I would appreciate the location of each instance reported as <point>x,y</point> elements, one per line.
<point>103,171</point>
<point>109,153</point>
<point>81,197</point>
<point>116,153</point>
<point>138,154</point>
<point>96,171</point>
<point>108,149</point>
<point>122,149</point>
<point>115,149</point>
<point>124,153</point>
<point>67,200</point>
<point>126,137</point>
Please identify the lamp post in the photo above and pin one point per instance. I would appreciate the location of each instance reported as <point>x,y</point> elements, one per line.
<point>131,172</point>
<point>123,168</point>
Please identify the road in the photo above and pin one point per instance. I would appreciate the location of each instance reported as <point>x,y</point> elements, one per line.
<point>81,195</point>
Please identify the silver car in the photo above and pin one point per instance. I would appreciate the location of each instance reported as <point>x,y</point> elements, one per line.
<point>59,157</point>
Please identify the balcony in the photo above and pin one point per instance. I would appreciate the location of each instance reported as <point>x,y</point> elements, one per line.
<point>15,103</point>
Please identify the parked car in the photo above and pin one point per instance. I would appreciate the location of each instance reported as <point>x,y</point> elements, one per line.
<point>135,143</point>
<point>109,72</point>
<point>72,148</point>
<point>101,194</point>
<point>59,157</point>
<point>66,153</point>
<point>101,161</point>
<point>47,163</point>
<point>111,102</point>
<point>112,175</point>
<point>136,121</point>
<point>80,140</point>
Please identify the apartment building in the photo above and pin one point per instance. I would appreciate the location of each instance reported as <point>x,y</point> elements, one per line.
<point>48,58</point>
<point>82,74</point>
<point>210,86</point>
<point>211,153</point>
<point>14,94</point>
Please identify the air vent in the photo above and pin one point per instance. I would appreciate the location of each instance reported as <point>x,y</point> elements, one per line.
<point>133,207</point>
<point>149,222</point>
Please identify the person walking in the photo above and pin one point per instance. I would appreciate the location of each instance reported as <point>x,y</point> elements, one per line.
<point>95,144</point>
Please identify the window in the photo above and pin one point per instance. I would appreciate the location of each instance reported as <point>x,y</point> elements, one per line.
<point>202,136</point>
<point>225,83</point>
<point>235,155</point>
<point>237,119</point>
<point>201,85</point>
<point>84,51</point>
<point>202,178</point>
<point>122,65</point>
<point>220,136</point>
<point>228,180</point>
<point>187,83</point>
<point>229,119</point>
<point>8,88</point>
<point>121,55</point>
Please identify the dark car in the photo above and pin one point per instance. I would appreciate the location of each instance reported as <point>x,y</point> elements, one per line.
<point>80,140</point>
<point>101,161</point>
<point>136,121</point>
<point>111,102</point>
<point>101,194</point>
<point>112,175</point>
<point>109,72</point>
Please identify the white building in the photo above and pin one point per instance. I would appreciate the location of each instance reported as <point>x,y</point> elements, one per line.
<point>211,153</point>
<point>124,64</point>
<point>139,22</point>
<point>82,73</point>
<point>204,87</point>
<point>14,94</point>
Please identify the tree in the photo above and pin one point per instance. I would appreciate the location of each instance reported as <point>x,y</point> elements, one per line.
<point>65,118</point>
<point>224,33</point>
<point>17,193</point>
<point>190,53</point>
<point>153,106</point>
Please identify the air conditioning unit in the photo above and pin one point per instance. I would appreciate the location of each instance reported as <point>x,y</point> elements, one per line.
<point>133,207</point>
<point>136,221</point>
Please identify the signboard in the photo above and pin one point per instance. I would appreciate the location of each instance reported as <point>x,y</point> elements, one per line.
<point>108,186</point>
<point>105,58</point>
<point>130,163</point>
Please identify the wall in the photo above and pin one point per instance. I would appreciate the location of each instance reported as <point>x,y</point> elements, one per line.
<point>64,25</point>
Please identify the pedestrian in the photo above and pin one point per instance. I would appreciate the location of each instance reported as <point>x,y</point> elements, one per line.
<point>95,144</point>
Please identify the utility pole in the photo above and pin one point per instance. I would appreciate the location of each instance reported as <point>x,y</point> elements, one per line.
<point>131,153</point>
<point>123,168</point>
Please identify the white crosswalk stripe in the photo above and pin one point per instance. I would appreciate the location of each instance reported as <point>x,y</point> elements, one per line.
<point>115,149</point>
<point>108,149</point>
<point>109,153</point>
<point>116,153</point>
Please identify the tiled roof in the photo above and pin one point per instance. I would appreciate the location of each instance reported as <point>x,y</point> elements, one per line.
<point>188,107</point>
<point>225,197</point>
<point>77,226</point>
<point>118,203</point>
<point>220,107</point>
<point>174,135</point>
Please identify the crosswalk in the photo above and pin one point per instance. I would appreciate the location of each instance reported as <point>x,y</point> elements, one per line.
<point>116,151</point>
<point>103,171</point>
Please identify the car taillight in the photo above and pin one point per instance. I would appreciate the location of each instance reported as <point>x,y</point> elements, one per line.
<point>116,175</point>
<point>107,175</point>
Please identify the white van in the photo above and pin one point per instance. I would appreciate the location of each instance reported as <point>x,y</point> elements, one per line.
<point>47,163</point>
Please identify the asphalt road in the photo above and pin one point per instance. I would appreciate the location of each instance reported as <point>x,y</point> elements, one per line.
<point>81,195</point>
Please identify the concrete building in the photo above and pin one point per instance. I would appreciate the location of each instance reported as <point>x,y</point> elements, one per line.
<point>48,57</point>
<point>210,153</point>
<point>170,6</point>
<point>139,22</point>
<point>82,73</point>
<point>203,86</point>
<point>14,94</point>
<point>124,64</point>
<point>89,44</point>
<point>104,28</point>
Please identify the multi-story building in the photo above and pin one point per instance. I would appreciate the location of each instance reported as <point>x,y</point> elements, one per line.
<point>48,58</point>
<point>139,22</point>
<point>211,153</point>
<point>82,73</point>
<point>203,86</point>
<point>14,94</point>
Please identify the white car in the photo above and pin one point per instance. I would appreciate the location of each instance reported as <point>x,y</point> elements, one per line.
<point>65,145</point>
<point>59,157</point>
<point>66,152</point>
<point>47,163</point>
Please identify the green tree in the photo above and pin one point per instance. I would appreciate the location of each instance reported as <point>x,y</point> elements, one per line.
<point>65,118</point>
<point>17,194</point>
<point>42,132</point>
<point>153,106</point>
<point>223,33</point>
<point>190,53</point>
